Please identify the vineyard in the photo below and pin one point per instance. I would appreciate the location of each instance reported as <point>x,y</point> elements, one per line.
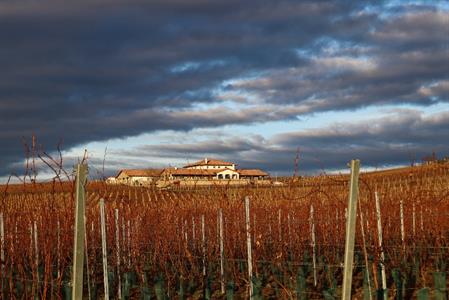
<point>192,244</point>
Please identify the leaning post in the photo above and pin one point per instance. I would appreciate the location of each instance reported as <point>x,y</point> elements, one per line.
<point>78,250</point>
<point>350,229</point>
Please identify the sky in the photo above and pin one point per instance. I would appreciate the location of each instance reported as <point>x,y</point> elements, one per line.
<point>151,84</point>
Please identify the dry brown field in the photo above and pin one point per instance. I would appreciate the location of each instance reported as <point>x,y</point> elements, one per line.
<point>160,247</point>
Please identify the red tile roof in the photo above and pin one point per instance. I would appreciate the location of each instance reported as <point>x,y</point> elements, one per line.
<point>252,172</point>
<point>209,162</point>
<point>192,172</point>
<point>141,172</point>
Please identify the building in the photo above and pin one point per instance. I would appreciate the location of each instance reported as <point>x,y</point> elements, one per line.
<point>213,172</point>
<point>203,172</point>
<point>252,174</point>
<point>111,180</point>
<point>142,177</point>
<point>211,164</point>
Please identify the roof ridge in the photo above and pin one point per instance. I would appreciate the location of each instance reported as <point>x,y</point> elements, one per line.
<point>207,161</point>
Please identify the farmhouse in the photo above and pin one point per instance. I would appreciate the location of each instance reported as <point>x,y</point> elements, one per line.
<point>203,172</point>
<point>213,171</point>
<point>206,163</point>
<point>137,177</point>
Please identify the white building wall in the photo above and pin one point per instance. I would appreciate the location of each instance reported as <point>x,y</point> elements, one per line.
<point>228,174</point>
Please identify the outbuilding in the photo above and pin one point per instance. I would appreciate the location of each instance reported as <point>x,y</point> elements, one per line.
<point>142,177</point>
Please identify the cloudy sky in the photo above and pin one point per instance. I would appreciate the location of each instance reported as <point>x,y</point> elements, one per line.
<point>167,82</point>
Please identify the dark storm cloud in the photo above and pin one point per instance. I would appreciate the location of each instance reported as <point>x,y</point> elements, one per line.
<point>388,64</point>
<point>94,70</point>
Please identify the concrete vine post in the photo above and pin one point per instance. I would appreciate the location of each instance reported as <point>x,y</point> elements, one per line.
<point>104,250</point>
<point>78,250</point>
<point>249,247</point>
<point>58,248</point>
<point>350,230</point>
<point>2,254</point>
<point>87,262</point>
<point>117,243</point>
<point>31,251</point>
<point>401,212</point>
<point>36,251</point>
<point>220,222</point>
<point>382,254</point>
<point>414,220</point>
<point>313,244</point>
<point>289,231</point>
<point>203,245</point>
<point>204,257</point>
<point>128,232</point>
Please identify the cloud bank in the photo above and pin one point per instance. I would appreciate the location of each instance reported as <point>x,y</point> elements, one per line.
<point>99,70</point>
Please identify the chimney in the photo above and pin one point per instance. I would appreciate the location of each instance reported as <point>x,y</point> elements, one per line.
<point>205,160</point>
